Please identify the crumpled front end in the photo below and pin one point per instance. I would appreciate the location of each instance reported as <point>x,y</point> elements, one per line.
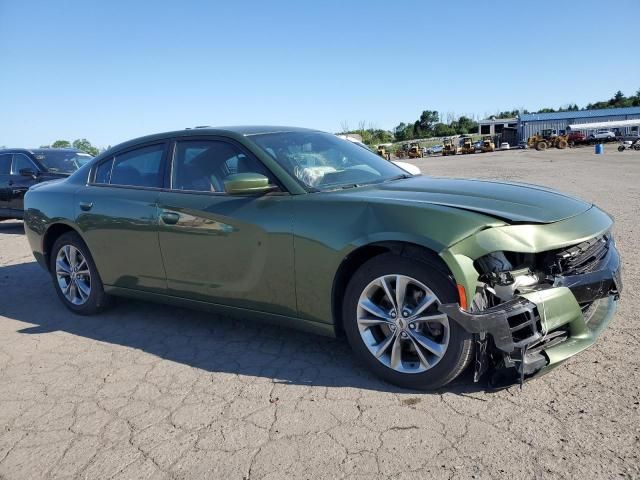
<point>538,294</point>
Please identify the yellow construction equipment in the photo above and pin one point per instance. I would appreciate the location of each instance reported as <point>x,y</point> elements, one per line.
<point>414,151</point>
<point>467,145</point>
<point>487,144</point>
<point>448,147</point>
<point>548,138</point>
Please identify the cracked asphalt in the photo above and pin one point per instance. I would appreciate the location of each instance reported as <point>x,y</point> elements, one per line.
<point>150,391</point>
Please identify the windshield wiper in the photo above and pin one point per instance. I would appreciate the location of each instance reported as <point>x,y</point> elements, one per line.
<point>398,177</point>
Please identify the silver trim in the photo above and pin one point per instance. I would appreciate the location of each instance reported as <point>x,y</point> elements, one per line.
<point>399,323</point>
<point>73,275</point>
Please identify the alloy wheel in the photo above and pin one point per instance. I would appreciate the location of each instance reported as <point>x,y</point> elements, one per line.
<point>73,274</point>
<point>399,322</point>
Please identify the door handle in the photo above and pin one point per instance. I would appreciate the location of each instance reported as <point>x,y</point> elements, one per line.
<point>86,206</point>
<point>170,218</point>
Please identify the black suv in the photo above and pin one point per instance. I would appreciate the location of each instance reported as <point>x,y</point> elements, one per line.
<point>20,168</point>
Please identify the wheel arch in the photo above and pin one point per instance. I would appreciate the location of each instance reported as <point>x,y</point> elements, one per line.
<point>356,258</point>
<point>52,233</point>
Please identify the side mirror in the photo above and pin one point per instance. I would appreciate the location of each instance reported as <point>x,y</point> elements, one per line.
<point>247,184</point>
<point>27,172</point>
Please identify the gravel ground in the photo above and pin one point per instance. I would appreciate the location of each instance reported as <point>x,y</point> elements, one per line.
<point>153,391</point>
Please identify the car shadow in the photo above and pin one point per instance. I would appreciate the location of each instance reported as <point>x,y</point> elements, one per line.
<point>198,339</point>
<point>11,227</point>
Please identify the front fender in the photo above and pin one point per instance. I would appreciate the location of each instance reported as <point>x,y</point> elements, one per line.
<point>327,229</point>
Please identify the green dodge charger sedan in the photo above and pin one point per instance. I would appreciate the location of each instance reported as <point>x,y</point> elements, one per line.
<point>297,227</point>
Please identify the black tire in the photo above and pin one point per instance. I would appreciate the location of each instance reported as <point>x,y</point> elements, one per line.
<point>541,146</point>
<point>621,148</point>
<point>97,299</point>
<point>460,348</point>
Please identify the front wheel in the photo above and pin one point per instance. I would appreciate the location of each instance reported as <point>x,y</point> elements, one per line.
<point>393,324</point>
<point>75,276</point>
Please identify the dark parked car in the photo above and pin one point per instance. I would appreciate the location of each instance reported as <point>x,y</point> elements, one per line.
<point>21,168</point>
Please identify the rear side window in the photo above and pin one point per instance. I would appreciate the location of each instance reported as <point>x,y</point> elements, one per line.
<point>137,168</point>
<point>5,164</point>
<point>103,172</point>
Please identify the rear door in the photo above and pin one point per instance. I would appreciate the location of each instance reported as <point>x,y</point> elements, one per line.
<point>118,216</point>
<point>19,184</point>
<point>5,176</point>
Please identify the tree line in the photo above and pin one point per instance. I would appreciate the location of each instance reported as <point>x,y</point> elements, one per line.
<point>431,123</point>
<point>81,144</point>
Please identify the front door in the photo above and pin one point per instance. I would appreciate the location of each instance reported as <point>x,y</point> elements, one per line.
<point>19,184</point>
<point>220,248</point>
<point>118,215</point>
<point>5,176</point>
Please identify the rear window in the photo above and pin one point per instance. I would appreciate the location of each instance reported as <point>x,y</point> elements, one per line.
<point>61,161</point>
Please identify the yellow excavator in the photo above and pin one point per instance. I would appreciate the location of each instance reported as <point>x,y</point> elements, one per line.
<point>548,138</point>
<point>467,146</point>
<point>487,144</point>
<point>448,147</point>
<point>415,151</point>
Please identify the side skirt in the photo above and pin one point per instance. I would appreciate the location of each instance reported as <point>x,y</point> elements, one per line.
<point>324,329</point>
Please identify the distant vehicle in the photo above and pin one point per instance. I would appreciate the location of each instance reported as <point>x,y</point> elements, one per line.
<point>487,144</point>
<point>21,168</point>
<point>478,145</point>
<point>504,146</point>
<point>407,167</point>
<point>435,149</point>
<point>466,145</point>
<point>576,137</point>
<point>633,137</point>
<point>602,135</point>
<point>414,151</point>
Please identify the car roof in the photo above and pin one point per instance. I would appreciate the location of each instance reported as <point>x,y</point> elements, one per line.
<point>242,131</point>
<point>38,150</point>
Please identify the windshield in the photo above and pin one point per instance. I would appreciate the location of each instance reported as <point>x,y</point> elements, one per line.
<point>62,161</point>
<point>324,161</point>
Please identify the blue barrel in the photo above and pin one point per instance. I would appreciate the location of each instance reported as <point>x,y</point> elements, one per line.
<point>599,148</point>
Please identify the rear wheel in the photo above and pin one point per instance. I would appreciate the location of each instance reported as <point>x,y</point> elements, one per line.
<point>562,144</point>
<point>393,325</point>
<point>541,146</point>
<point>75,276</point>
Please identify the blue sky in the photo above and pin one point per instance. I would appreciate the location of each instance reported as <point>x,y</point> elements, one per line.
<point>113,70</point>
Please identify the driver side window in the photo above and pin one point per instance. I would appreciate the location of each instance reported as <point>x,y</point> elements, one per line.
<point>204,165</point>
<point>21,162</point>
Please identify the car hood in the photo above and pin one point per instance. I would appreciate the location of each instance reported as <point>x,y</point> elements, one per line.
<point>513,202</point>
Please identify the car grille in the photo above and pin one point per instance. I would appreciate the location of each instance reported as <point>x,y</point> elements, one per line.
<point>582,258</point>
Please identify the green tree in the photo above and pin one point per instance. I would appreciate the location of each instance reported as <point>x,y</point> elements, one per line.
<point>464,125</point>
<point>400,132</point>
<point>85,145</point>
<point>428,118</point>
<point>61,144</point>
<point>443,130</point>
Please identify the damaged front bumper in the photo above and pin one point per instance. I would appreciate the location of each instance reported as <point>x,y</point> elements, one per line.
<point>537,330</point>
